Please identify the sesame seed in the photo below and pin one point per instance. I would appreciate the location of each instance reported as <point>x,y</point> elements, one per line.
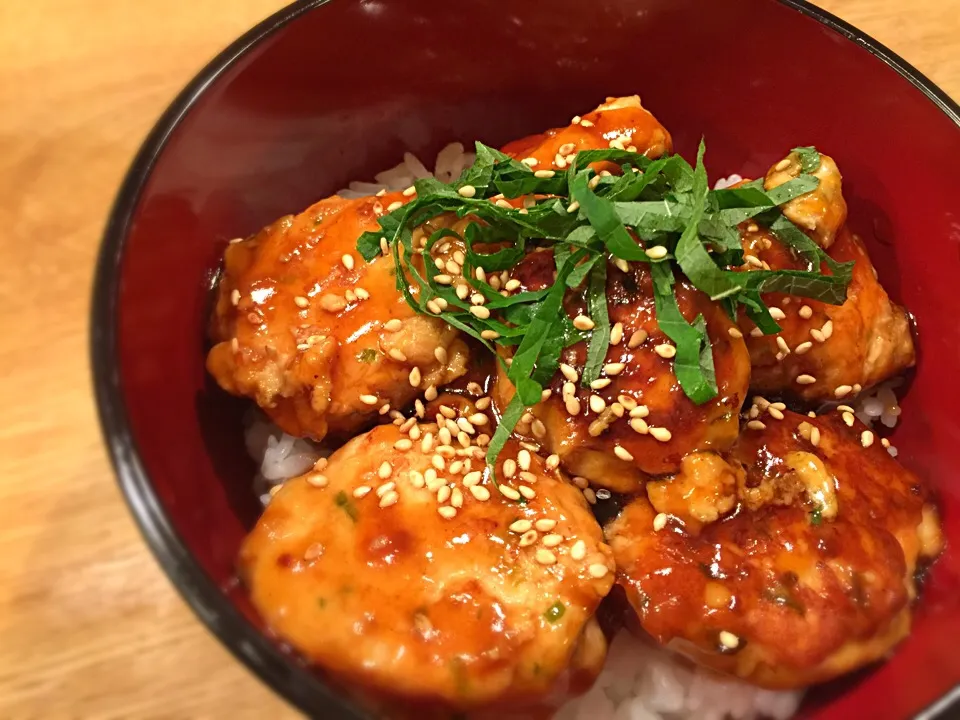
<point>637,339</point>
<point>622,453</point>
<point>734,333</point>
<point>528,538</point>
<point>579,550</point>
<point>827,329</point>
<point>480,311</point>
<point>523,459</point>
<point>433,307</point>
<point>806,312</point>
<point>639,425</point>
<point>480,492</point>
<point>403,444</point>
<point>661,434</point>
<point>509,467</point>
<point>397,355</point>
<point>362,294</point>
<point>234,345</point>
<point>844,408</point>
<point>369,399</point>
<point>235,297</point>
<point>586,123</point>
<point>301,302</point>
<point>756,425</point>
<point>347,259</point>
<point>659,522</point>
<point>415,377</point>
<point>544,173</point>
<point>384,470</point>
<point>803,348</point>
<point>842,391</point>
<point>657,252</point>
<point>552,540</point>
<point>545,557</point>
<point>467,191</point>
<point>756,332</point>
<point>728,639</point>
<point>572,406</point>
<point>489,334</point>
<point>597,403</point>
<point>441,303</point>
<point>529,161</point>
<point>782,165</point>
<point>410,191</point>
<point>389,498</point>
<point>582,322</point>
<point>456,498</point>
<point>574,206</point>
<point>443,494</point>
<point>317,480</point>
<point>528,492</point>
<point>777,314</point>
<point>817,335</point>
<point>597,570</point>
<point>639,411</point>
<point>443,279</point>
<point>509,492</point>
<point>393,325</point>
<point>614,368</point>
<point>447,512</point>
<point>753,261</point>
<point>593,182</point>
<point>384,248</point>
<point>815,436</point>
<point>665,350</point>
<point>616,334</point>
<point>361,491</point>
<point>430,394</point>
<point>520,526</point>
<point>806,379</point>
<point>782,344</point>
<point>885,442</point>
<point>569,372</point>
<point>848,418</point>
<point>866,438</point>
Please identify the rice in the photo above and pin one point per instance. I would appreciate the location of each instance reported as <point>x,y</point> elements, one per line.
<point>643,682</point>
<point>447,167</point>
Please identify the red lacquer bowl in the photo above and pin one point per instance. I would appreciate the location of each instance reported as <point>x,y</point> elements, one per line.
<point>320,94</point>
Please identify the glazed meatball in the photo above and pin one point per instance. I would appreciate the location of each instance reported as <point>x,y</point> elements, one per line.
<point>824,352</point>
<point>636,420</point>
<point>321,339</point>
<point>787,563</point>
<point>399,567</point>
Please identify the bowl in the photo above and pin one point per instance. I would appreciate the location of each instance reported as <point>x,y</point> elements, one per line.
<point>325,92</point>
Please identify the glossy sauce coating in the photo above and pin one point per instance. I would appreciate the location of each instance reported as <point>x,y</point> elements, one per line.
<point>645,385</point>
<point>810,573</point>
<point>463,611</point>
<point>834,351</point>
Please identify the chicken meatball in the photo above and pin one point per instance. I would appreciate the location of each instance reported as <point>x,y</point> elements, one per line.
<point>824,351</point>
<point>397,566</point>
<point>787,563</point>
<point>635,420</point>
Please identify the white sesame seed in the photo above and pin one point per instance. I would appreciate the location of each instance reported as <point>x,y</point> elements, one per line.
<point>637,339</point>
<point>777,314</point>
<point>657,252</point>
<point>597,570</point>
<point>430,394</point>
<point>803,348</point>
<point>827,329</point>
<point>234,345</point>
<point>443,494</point>
<point>317,480</point>
<point>728,639</point>
<point>665,350</point>
<point>544,173</point>
<point>639,411</point>
<point>782,344</point>
<point>639,425</point>
<point>467,191</point>
<point>572,406</point>
<point>384,470</point>
<point>806,379</point>
<point>579,550</point>
<point>447,512</point>
<point>528,492</point>
<point>756,425</point>
<point>848,418</point>
<point>369,399</point>
<point>529,161</point>
<point>347,261</point>
<point>616,334</point>
<point>235,297</point>
<point>393,325</point>
<point>397,355</point>
<point>300,301</point>
<point>545,557</point>
<point>523,459</point>
<point>817,335</point>
<point>520,526</point>
<point>806,312</point>
<point>866,438</point>
<point>552,540</point>
<point>509,467</point>
<point>569,372</point>
<point>573,207</point>
<point>480,492</point>
<point>480,311</point>
<point>586,123</point>
<point>734,332</point>
<point>614,368</point>
<point>389,498</point>
<point>509,492</point>
<point>443,279</point>
<point>756,332</point>
<point>361,491</point>
<point>815,436</point>
<point>403,444</point>
<point>659,521</point>
<point>415,377</point>
<point>597,403</point>
<point>600,383</point>
<point>661,434</point>
<point>622,453</point>
<point>582,322</point>
<point>410,191</point>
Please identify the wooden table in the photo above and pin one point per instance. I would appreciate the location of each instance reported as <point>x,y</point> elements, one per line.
<point>89,626</point>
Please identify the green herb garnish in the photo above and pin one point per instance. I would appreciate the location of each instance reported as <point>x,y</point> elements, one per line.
<point>367,355</point>
<point>664,202</point>
<point>346,505</point>
<point>555,612</point>
<point>816,516</point>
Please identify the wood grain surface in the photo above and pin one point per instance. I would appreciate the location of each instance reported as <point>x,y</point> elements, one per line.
<point>89,626</point>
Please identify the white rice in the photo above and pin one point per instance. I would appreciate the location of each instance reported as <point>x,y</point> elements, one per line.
<point>449,164</point>
<point>643,682</point>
